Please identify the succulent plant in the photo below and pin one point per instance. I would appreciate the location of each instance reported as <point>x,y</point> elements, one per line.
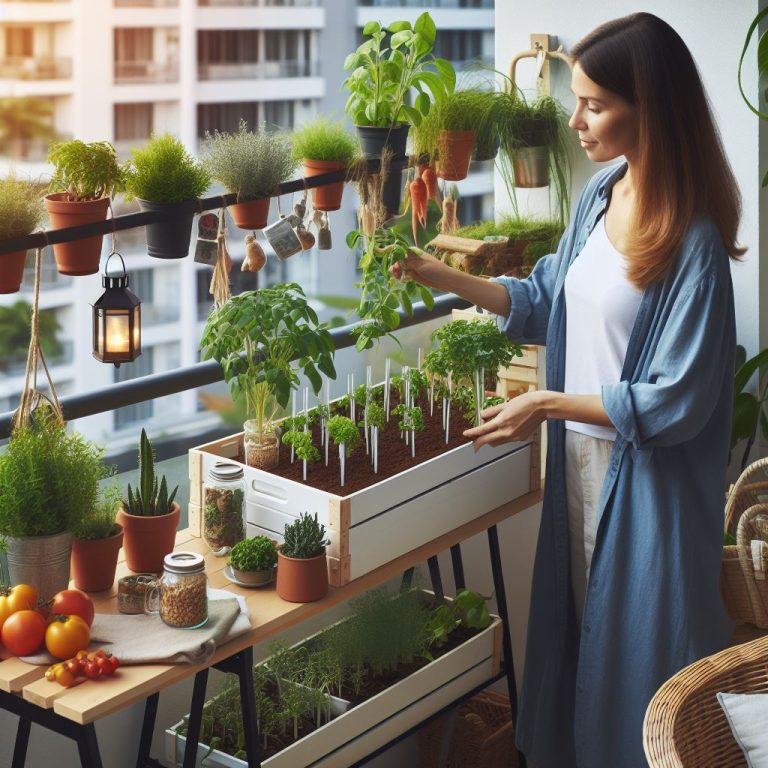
<point>305,538</point>
<point>149,499</point>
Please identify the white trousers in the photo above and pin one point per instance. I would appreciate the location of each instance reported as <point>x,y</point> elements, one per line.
<point>586,462</point>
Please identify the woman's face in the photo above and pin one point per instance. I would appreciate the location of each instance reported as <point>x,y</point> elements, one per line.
<point>607,124</point>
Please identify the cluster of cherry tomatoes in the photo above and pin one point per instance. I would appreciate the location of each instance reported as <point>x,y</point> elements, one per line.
<point>91,665</point>
<point>63,625</point>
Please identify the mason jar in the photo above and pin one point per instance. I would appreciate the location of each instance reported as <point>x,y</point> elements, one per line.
<point>262,449</point>
<point>180,596</point>
<point>224,522</point>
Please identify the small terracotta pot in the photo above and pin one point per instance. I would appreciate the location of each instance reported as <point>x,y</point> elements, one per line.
<point>80,257</point>
<point>455,153</point>
<point>327,198</point>
<point>302,581</point>
<point>11,271</point>
<point>251,215</point>
<point>148,540</point>
<point>94,562</point>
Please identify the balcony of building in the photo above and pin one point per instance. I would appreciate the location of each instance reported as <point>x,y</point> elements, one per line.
<point>144,55</point>
<point>37,68</point>
<point>262,3</point>
<point>146,3</point>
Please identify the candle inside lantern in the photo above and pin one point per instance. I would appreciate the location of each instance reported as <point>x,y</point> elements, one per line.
<point>117,333</point>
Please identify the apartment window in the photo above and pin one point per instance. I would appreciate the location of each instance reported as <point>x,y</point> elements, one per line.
<point>138,412</point>
<point>459,45</point>
<point>228,46</point>
<point>19,42</point>
<point>285,44</point>
<point>279,113</point>
<point>226,117</point>
<point>134,44</point>
<point>133,121</point>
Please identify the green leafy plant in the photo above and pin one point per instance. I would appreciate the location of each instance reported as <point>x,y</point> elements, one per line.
<point>304,538</point>
<point>49,479</point>
<point>376,415</point>
<point>98,522</point>
<point>323,139</point>
<point>256,335</point>
<point>85,171</point>
<point>302,444</point>
<point>164,172</point>
<point>256,554</point>
<point>150,499</point>
<point>381,294</point>
<point>383,72</point>
<point>749,411</point>
<point>411,419</point>
<point>465,110</point>
<point>251,165</point>
<point>467,609</point>
<point>21,206</point>
<point>343,431</point>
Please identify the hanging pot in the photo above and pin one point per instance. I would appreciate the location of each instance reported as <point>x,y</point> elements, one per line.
<point>486,151</point>
<point>531,166</point>
<point>393,188</point>
<point>327,198</point>
<point>80,257</point>
<point>94,562</point>
<point>147,540</point>
<point>373,140</point>
<point>11,271</point>
<point>455,153</point>
<point>171,237</point>
<point>252,215</point>
<point>302,580</point>
<point>41,561</point>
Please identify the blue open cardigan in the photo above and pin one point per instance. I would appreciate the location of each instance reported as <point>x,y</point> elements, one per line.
<point>653,601</point>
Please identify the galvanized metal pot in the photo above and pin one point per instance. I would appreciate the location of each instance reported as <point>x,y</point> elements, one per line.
<point>531,166</point>
<point>42,561</point>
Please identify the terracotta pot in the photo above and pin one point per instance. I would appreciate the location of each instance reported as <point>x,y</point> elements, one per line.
<point>302,581</point>
<point>251,215</point>
<point>94,562</point>
<point>80,257</point>
<point>148,540</point>
<point>455,153</point>
<point>11,271</point>
<point>327,198</point>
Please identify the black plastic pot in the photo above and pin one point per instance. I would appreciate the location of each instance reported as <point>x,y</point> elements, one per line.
<point>373,140</point>
<point>487,151</point>
<point>171,237</point>
<point>393,187</point>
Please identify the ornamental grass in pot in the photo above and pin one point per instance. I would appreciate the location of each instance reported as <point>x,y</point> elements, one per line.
<point>49,482</point>
<point>253,560</point>
<point>302,569</point>
<point>250,165</point>
<point>22,214</point>
<point>460,116</point>
<point>96,541</point>
<point>324,146</point>
<point>85,177</point>
<point>165,178</point>
<point>149,516</point>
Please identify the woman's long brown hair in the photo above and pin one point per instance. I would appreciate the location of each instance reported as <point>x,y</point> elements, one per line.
<point>682,171</point>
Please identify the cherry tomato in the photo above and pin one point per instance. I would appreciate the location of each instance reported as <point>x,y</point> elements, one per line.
<point>114,663</point>
<point>73,602</point>
<point>66,635</point>
<point>23,632</point>
<point>92,670</point>
<point>19,598</point>
<point>50,673</point>
<point>64,676</point>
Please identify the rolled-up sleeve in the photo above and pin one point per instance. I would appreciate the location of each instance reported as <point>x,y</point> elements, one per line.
<point>685,375</point>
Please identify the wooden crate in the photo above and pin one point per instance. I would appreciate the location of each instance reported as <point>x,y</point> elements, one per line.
<point>379,523</point>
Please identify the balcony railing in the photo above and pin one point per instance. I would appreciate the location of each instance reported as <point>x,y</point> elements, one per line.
<point>258,70</point>
<point>135,72</point>
<point>37,68</point>
<point>263,3</point>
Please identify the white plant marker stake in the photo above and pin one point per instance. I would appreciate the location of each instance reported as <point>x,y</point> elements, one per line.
<point>328,408</point>
<point>386,389</point>
<point>351,393</point>
<point>342,456</point>
<point>405,373</point>
<point>306,429</point>
<point>432,396</point>
<point>375,438</point>
<point>448,408</point>
<point>418,360</point>
<point>293,416</point>
<point>368,385</point>
<point>478,396</point>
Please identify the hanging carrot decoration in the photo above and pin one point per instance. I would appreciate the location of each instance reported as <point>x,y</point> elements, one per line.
<point>418,206</point>
<point>449,223</point>
<point>429,177</point>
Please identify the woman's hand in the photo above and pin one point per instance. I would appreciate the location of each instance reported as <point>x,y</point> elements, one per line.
<point>420,266</point>
<point>517,419</point>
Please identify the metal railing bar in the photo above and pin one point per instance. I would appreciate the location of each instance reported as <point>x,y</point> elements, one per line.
<point>156,385</point>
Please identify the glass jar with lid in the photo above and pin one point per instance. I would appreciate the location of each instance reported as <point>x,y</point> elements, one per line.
<point>180,596</point>
<point>224,520</point>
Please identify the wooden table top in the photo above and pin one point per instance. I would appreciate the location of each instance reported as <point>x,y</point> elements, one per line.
<point>90,700</point>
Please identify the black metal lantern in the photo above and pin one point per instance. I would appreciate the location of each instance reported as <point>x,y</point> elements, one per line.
<point>116,319</point>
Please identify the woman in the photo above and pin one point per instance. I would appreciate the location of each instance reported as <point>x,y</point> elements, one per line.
<point>636,311</point>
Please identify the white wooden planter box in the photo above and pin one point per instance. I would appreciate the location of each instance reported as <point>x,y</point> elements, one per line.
<point>370,725</point>
<point>388,519</point>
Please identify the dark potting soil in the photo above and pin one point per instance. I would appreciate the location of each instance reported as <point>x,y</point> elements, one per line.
<point>394,454</point>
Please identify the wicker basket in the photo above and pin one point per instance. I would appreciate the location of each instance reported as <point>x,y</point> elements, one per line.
<point>480,734</point>
<point>737,584</point>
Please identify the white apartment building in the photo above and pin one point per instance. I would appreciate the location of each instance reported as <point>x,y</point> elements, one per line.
<point>121,69</point>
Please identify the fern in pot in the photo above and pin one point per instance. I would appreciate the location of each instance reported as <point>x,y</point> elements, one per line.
<point>22,214</point>
<point>165,179</point>
<point>302,568</point>
<point>250,165</point>
<point>85,177</point>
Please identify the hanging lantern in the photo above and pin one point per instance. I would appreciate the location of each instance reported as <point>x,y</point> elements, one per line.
<point>116,319</point>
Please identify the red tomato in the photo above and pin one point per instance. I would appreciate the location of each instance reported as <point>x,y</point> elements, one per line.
<point>66,635</point>
<point>23,632</point>
<point>92,670</point>
<point>73,602</point>
<point>19,598</point>
<point>114,663</point>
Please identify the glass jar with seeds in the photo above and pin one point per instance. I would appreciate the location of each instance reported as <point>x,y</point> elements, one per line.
<point>224,519</point>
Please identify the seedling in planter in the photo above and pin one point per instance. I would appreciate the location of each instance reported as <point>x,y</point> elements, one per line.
<point>344,433</point>
<point>301,442</point>
<point>376,422</point>
<point>411,422</point>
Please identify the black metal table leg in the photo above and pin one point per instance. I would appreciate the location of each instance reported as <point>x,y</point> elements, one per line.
<point>195,718</point>
<point>506,644</point>
<point>248,706</point>
<point>88,747</point>
<point>437,581</point>
<point>458,568</point>
<point>147,730</point>
<point>407,579</point>
<point>22,740</point>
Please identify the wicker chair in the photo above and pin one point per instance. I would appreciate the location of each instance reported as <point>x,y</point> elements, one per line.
<point>684,725</point>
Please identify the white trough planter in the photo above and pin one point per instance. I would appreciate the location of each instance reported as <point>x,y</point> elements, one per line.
<point>368,726</point>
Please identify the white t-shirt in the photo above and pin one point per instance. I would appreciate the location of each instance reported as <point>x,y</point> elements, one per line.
<point>601,307</point>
